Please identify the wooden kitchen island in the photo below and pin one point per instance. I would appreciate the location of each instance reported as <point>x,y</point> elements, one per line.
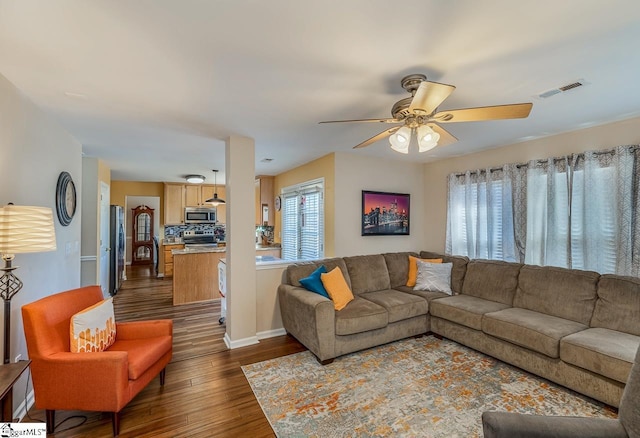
<point>195,274</point>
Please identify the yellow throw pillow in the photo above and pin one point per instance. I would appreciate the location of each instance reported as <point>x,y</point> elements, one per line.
<point>94,328</point>
<point>337,288</point>
<point>413,269</point>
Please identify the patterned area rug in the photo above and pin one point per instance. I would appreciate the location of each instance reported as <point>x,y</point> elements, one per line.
<point>416,387</point>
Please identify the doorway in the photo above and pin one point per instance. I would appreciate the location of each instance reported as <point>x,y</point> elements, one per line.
<point>131,202</point>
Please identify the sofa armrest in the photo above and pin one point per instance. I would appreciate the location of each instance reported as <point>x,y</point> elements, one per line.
<point>144,329</point>
<point>93,380</point>
<point>310,318</point>
<point>510,425</point>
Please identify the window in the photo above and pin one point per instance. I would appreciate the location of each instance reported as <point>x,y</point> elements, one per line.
<point>579,211</point>
<point>480,217</point>
<point>303,221</point>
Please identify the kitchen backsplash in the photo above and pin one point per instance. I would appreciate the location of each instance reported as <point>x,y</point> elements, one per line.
<point>266,232</point>
<point>173,231</point>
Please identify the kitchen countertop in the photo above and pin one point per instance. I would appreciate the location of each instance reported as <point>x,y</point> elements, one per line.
<point>198,250</point>
<point>217,249</point>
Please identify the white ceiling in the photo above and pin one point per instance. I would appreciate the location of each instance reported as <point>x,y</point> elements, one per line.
<point>154,87</point>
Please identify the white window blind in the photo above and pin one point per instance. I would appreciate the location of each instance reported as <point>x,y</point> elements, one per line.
<point>476,220</point>
<point>303,221</point>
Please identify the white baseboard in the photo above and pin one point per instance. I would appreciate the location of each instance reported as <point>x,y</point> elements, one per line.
<point>21,411</point>
<point>271,333</point>
<point>252,340</point>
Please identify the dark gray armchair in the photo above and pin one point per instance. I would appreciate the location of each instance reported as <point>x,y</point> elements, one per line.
<point>513,425</point>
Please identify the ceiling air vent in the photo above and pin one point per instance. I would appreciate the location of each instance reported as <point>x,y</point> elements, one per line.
<point>562,89</point>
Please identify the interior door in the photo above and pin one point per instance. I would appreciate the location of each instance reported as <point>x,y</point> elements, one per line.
<point>105,201</point>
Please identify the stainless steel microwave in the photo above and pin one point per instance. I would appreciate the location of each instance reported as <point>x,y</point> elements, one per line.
<point>200,215</point>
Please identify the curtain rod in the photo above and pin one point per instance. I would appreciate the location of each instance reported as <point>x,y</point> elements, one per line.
<point>542,160</point>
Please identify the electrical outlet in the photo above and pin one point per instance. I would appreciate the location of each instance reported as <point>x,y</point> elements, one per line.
<point>18,357</point>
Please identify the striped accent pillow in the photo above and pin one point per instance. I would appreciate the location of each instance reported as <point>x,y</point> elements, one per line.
<point>94,328</point>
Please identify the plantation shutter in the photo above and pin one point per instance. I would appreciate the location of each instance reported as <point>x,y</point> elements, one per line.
<point>289,239</point>
<point>303,221</point>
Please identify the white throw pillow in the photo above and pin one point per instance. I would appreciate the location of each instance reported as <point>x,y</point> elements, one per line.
<point>94,328</point>
<point>434,277</point>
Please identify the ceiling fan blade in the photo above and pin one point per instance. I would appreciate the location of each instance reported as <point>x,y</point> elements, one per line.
<point>377,137</point>
<point>514,111</point>
<point>364,120</point>
<point>428,96</point>
<point>446,138</point>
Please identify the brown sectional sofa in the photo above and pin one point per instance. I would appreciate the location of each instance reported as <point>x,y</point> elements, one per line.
<point>576,328</point>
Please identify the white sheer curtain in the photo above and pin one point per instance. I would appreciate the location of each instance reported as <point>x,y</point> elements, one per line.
<point>547,241</point>
<point>480,215</point>
<point>601,211</point>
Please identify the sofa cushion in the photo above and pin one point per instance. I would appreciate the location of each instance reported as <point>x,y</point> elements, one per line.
<point>459,267</point>
<point>434,276</point>
<point>398,304</point>
<point>301,270</point>
<point>565,293</point>
<point>464,309</point>
<point>533,330</point>
<point>337,288</point>
<point>412,277</point>
<point>93,329</point>
<point>359,316</point>
<point>618,304</point>
<point>603,351</point>
<point>368,273</point>
<point>143,352</point>
<point>491,280</point>
<point>629,414</point>
<point>398,267</point>
<point>313,283</point>
<point>426,294</point>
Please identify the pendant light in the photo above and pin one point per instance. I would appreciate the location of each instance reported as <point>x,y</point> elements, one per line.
<point>215,201</point>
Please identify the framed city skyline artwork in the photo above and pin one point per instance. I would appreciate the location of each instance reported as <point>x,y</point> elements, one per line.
<point>385,214</point>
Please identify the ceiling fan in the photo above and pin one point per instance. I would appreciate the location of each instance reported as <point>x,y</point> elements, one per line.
<point>417,115</point>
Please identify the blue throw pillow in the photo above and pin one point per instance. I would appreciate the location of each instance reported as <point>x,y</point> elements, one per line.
<point>313,282</point>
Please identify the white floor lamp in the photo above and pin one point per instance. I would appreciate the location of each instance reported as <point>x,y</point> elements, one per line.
<point>22,229</point>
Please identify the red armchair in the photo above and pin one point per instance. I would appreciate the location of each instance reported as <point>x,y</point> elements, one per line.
<point>104,381</point>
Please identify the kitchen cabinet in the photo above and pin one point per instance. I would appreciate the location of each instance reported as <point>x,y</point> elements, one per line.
<point>264,200</point>
<point>196,277</point>
<point>178,196</point>
<point>174,199</point>
<point>168,258</point>
<point>197,194</point>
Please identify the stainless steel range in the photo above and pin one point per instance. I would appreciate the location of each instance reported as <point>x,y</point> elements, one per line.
<point>199,239</point>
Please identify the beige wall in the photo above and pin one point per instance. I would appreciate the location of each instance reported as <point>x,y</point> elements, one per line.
<point>121,189</point>
<point>435,181</point>
<point>34,149</point>
<point>323,167</point>
<point>354,173</point>
<point>94,173</point>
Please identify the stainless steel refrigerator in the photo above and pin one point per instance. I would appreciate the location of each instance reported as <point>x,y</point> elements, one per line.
<point>116,247</point>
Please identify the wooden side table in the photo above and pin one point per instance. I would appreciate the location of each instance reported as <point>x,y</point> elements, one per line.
<point>9,374</point>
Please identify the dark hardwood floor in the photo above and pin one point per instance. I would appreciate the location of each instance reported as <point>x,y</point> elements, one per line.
<point>205,392</point>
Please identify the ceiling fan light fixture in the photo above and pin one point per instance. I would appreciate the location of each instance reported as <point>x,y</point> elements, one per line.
<point>195,179</point>
<point>400,140</point>
<point>427,138</point>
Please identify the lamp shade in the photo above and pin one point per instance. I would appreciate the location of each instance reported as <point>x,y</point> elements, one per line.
<point>26,229</point>
<point>400,140</point>
<point>427,138</point>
